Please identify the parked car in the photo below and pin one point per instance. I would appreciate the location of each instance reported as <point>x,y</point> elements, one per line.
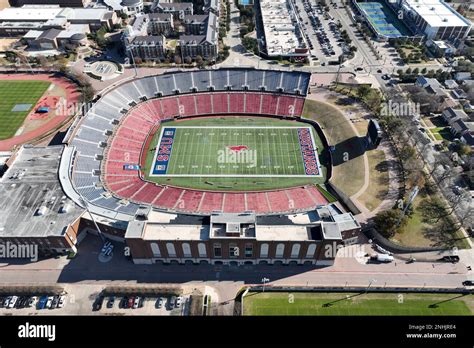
<point>12,301</point>
<point>468,283</point>
<point>178,301</point>
<point>124,302</point>
<point>61,301</point>
<point>141,301</point>
<point>110,302</point>
<point>2,302</point>
<point>42,302</point>
<point>131,301</point>
<point>159,302</point>
<point>49,302</point>
<point>136,302</point>
<point>32,301</point>
<point>97,305</point>
<point>171,302</point>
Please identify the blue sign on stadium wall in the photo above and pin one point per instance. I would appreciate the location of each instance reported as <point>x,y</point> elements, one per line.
<point>131,167</point>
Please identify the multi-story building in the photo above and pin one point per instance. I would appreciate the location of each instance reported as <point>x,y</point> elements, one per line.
<point>149,47</point>
<point>195,24</point>
<point>177,9</point>
<point>205,45</point>
<point>160,23</point>
<point>225,238</point>
<point>145,39</point>
<point>34,209</point>
<point>434,19</point>
<point>18,21</point>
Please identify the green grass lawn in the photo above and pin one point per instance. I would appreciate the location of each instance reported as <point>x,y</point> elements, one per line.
<point>441,133</point>
<point>17,92</point>
<point>196,157</point>
<point>336,304</point>
<point>420,233</point>
<point>348,175</point>
<point>379,180</point>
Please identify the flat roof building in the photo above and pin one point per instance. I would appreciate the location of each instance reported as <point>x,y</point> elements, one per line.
<point>280,30</point>
<point>34,208</point>
<point>435,19</point>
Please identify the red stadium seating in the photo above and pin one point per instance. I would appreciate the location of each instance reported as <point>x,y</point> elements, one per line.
<point>220,103</point>
<point>204,104</point>
<point>237,103</point>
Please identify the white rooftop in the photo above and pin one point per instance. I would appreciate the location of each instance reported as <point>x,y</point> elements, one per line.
<point>437,13</point>
<point>30,13</point>
<point>280,37</point>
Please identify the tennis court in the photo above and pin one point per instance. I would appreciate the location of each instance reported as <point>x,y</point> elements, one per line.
<point>383,19</point>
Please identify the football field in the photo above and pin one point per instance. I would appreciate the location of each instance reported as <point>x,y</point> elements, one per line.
<point>282,303</point>
<point>238,152</point>
<point>17,99</point>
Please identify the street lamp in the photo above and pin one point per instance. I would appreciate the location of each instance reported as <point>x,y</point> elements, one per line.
<point>264,281</point>
<point>83,200</point>
<point>370,283</point>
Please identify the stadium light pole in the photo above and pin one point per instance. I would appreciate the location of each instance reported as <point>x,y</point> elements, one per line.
<point>83,200</point>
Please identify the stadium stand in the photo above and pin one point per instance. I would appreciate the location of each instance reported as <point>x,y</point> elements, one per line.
<point>114,131</point>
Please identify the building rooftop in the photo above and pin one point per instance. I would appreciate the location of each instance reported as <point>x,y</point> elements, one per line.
<point>30,13</point>
<point>33,202</point>
<point>280,32</point>
<point>437,13</point>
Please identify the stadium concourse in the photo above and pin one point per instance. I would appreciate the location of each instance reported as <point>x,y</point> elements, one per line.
<point>114,132</point>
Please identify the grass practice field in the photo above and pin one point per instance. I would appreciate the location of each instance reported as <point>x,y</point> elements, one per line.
<point>235,153</point>
<point>13,93</point>
<point>357,304</point>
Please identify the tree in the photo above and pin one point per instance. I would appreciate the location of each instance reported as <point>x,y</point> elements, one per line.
<point>177,59</point>
<point>199,60</point>
<point>188,60</point>
<point>389,222</point>
<point>362,91</point>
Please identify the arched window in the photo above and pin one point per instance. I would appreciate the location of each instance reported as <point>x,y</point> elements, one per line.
<point>311,250</point>
<point>295,250</point>
<point>202,250</point>
<point>264,250</point>
<point>280,249</point>
<point>155,249</point>
<point>186,250</point>
<point>171,250</point>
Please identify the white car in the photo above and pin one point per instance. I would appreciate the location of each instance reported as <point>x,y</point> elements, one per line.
<point>62,300</point>
<point>49,302</point>
<point>12,302</point>
<point>33,301</point>
<point>136,302</point>
<point>179,299</point>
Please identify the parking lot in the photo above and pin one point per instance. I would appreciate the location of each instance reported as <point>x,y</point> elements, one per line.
<point>321,32</point>
<point>87,304</point>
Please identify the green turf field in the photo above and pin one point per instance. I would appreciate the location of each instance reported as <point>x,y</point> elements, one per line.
<point>357,304</point>
<point>13,93</point>
<point>203,157</point>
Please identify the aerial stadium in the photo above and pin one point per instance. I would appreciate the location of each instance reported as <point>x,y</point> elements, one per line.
<point>208,166</point>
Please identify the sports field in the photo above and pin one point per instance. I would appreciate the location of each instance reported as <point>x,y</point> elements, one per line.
<point>235,153</point>
<point>17,98</point>
<point>383,19</point>
<point>357,304</point>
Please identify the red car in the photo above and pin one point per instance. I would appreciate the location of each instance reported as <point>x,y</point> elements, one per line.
<point>130,302</point>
